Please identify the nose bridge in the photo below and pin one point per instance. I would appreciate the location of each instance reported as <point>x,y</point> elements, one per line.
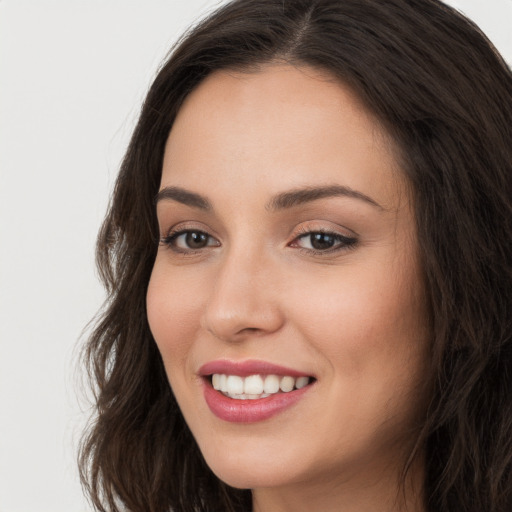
<point>242,301</point>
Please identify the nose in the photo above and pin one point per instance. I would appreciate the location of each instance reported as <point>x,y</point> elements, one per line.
<point>243,301</point>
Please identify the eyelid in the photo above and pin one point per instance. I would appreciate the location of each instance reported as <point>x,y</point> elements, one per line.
<point>345,241</point>
<point>321,226</point>
<point>166,240</point>
<point>187,226</point>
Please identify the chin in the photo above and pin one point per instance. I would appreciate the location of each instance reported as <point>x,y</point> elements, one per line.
<point>246,476</point>
<point>255,467</point>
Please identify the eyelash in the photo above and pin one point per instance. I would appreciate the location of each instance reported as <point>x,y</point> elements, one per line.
<point>170,241</point>
<point>341,242</point>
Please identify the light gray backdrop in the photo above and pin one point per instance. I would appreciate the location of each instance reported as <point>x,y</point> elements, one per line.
<point>72,77</point>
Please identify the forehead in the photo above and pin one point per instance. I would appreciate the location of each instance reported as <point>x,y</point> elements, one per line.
<point>280,123</point>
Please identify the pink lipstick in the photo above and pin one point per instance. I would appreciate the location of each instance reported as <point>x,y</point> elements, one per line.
<point>251,391</point>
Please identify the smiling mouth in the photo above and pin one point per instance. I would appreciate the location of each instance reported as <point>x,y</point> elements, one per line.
<point>253,387</point>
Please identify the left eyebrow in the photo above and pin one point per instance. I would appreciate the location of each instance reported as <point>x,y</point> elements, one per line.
<point>184,196</point>
<point>300,196</point>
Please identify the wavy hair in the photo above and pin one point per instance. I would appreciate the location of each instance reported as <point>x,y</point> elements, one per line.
<point>444,94</point>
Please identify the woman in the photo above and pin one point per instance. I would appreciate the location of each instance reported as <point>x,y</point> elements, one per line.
<point>310,240</point>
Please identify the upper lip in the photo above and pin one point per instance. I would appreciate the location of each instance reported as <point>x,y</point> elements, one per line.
<point>248,367</point>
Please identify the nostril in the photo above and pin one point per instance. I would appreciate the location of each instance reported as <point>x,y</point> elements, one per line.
<point>250,329</point>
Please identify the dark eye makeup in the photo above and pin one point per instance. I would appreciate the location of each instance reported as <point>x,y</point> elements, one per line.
<point>323,242</point>
<point>189,240</point>
<point>316,242</point>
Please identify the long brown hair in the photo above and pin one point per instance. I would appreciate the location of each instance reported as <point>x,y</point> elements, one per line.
<point>445,96</point>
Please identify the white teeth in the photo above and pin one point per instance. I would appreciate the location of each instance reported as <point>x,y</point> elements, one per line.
<point>223,386</point>
<point>253,385</point>
<point>286,384</point>
<point>271,384</point>
<point>256,386</point>
<point>235,385</point>
<point>301,382</point>
<point>246,396</point>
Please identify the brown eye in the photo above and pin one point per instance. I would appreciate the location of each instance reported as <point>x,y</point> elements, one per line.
<point>319,241</point>
<point>189,240</point>
<point>322,241</point>
<point>196,239</point>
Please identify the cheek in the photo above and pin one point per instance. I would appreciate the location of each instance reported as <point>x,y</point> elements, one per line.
<point>371,334</point>
<point>369,321</point>
<point>172,307</point>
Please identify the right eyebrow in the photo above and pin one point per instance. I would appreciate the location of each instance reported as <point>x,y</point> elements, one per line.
<point>184,197</point>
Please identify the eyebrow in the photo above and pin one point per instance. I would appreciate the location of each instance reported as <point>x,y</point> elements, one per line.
<point>281,201</point>
<point>184,197</point>
<point>305,195</point>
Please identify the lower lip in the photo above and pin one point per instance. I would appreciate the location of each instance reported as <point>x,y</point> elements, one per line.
<point>250,411</point>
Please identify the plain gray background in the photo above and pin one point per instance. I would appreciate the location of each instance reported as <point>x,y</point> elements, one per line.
<point>72,76</point>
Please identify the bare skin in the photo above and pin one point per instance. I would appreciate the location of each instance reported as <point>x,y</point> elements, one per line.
<point>329,285</point>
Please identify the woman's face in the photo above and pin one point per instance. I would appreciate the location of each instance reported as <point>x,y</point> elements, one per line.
<point>288,258</point>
